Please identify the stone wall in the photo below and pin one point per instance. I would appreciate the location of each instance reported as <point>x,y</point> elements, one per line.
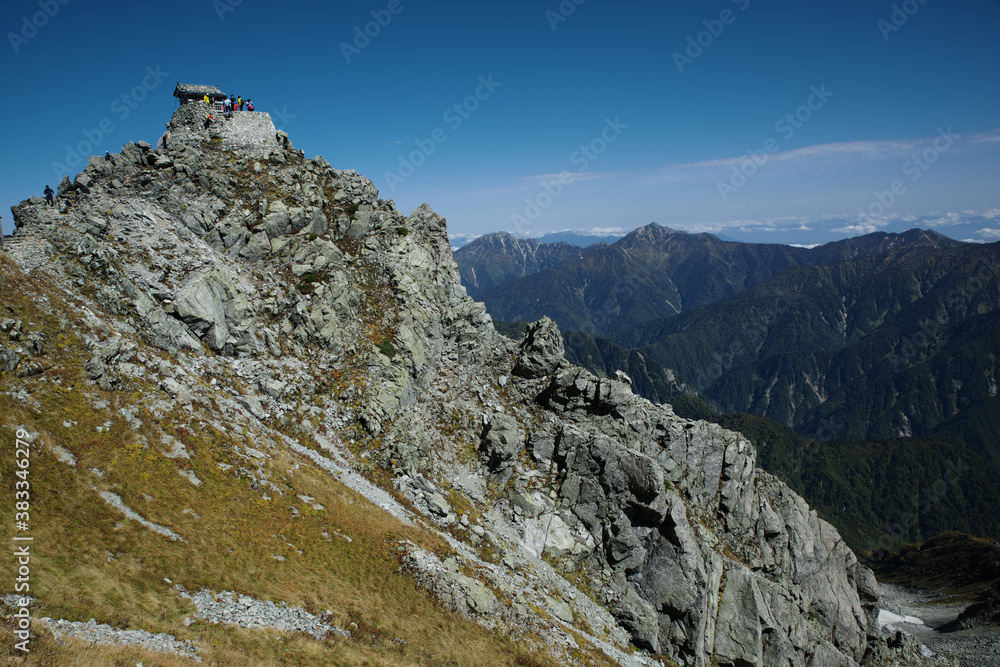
<point>250,131</point>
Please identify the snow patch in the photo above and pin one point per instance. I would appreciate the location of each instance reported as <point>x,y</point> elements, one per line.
<point>889,619</point>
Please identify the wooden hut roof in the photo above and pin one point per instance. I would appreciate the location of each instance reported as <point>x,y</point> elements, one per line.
<point>194,90</point>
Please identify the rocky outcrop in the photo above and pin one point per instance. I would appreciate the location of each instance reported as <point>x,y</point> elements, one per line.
<point>277,289</point>
<point>217,312</point>
<point>697,542</point>
<point>102,367</point>
<point>21,348</point>
<point>541,352</point>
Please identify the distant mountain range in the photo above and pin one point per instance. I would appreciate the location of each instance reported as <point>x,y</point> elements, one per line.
<point>903,344</point>
<point>581,239</point>
<point>495,259</point>
<point>652,273</point>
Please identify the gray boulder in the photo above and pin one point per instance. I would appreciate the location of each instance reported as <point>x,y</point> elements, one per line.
<point>502,441</point>
<point>257,248</point>
<point>541,351</point>
<point>278,221</point>
<point>214,308</point>
<point>102,367</point>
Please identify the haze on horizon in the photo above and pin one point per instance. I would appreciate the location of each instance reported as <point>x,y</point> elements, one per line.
<point>763,122</point>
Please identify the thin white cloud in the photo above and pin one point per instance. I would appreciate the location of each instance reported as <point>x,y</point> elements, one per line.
<point>784,224</point>
<point>989,233</point>
<point>991,214</point>
<point>571,176</point>
<point>846,150</point>
<point>867,227</point>
<point>948,219</point>
<point>527,184</point>
<point>989,137</point>
<point>851,224</point>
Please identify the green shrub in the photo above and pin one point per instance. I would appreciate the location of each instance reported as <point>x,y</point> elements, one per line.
<point>387,348</point>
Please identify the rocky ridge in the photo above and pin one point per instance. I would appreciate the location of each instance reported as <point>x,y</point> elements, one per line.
<point>496,258</point>
<point>267,293</point>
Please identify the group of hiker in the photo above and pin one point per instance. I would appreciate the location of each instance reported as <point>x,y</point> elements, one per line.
<point>229,105</point>
<point>233,103</point>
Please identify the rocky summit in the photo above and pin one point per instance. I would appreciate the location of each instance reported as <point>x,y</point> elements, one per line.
<point>268,328</point>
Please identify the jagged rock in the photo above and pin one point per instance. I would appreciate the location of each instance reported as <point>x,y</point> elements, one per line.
<point>102,367</point>
<point>639,617</point>
<point>257,248</point>
<point>277,222</point>
<point>549,534</point>
<point>158,328</point>
<point>542,445</point>
<point>502,441</point>
<point>541,352</point>
<point>216,310</point>
<point>317,222</point>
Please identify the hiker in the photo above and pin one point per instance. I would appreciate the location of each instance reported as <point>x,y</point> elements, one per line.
<point>207,100</point>
<point>107,155</point>
<point>209,119</point>
<point>166,136</point>
<point>239,103</point>
<point>226,108</point>
<point>249,105</point>
<point>49,196</point>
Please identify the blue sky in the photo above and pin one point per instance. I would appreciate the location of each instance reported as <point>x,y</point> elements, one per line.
<point>794,122</point>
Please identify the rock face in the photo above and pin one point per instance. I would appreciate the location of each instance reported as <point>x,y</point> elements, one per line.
<point>216,311</point>
<point>304,296</point>
<point>698,542</point>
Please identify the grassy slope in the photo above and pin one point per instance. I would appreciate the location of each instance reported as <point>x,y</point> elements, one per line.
<point>89,561</point>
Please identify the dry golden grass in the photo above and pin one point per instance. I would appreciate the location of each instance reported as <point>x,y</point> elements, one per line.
<point>90,561</point>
